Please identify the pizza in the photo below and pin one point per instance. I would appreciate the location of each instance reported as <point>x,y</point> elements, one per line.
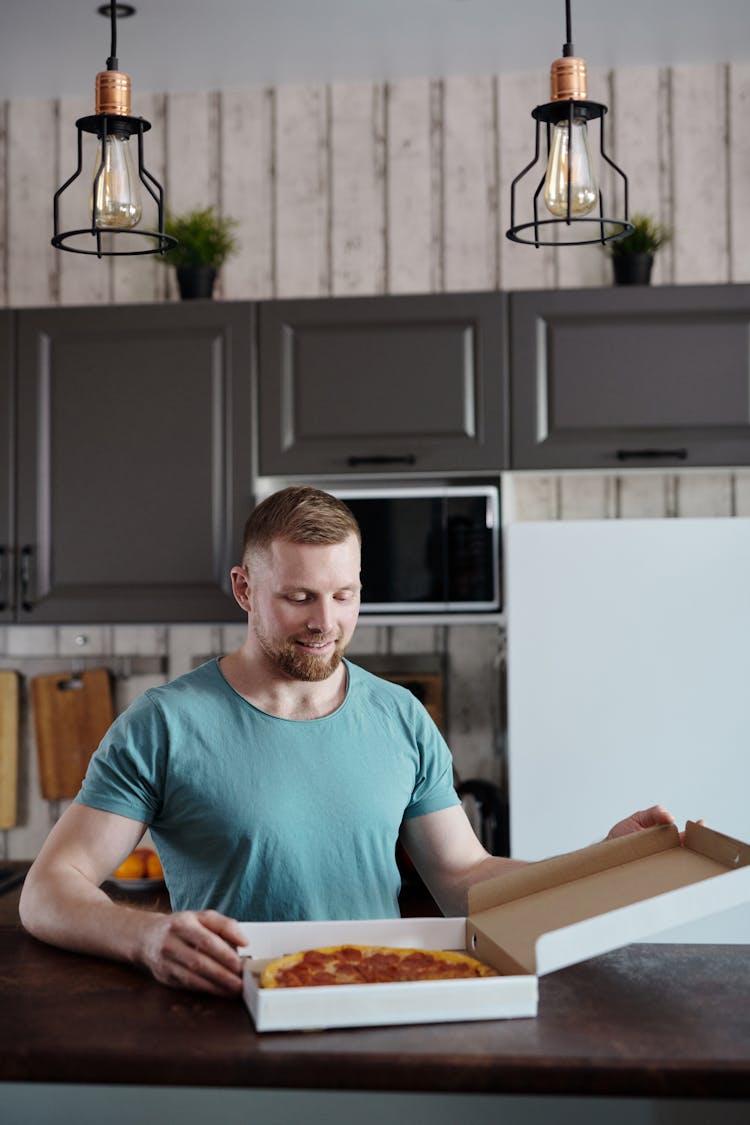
<point>369,964</point>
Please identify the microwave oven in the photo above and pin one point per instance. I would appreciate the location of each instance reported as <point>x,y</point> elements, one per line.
<point>429,550</point>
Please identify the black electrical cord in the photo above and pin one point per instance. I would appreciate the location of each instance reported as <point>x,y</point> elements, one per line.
<point>568,48</point>
<point>113,10</point>
<point>112,61</point>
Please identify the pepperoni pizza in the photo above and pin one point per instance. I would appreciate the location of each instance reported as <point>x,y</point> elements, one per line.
<point>369,964</point>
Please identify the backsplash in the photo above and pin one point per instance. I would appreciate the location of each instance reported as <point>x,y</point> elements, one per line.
<point>142,656</point>
<point>642,494</point>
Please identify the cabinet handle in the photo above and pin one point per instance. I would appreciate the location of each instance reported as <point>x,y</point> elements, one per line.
<point>383,459</point>
<point>651,454</point>
<point>4,578</point>
<point>26,602</point>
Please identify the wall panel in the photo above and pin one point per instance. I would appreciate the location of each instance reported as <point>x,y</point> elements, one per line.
<point>3,203</point>
<point>247,191</point>
<point>638,123</point>
<point>699,174</point>
<point>409,187</point>
<point>302,192</point>
<point>32,178</point>
<point>705,494</point>
<point>641,495</point>
<point>358,189</point>
<point>192,165</point>
<point>470,179</point>
<point>739,171</point>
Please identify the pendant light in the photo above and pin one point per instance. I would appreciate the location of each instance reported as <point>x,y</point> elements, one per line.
<point>115,203</point>
<point>568,187</point>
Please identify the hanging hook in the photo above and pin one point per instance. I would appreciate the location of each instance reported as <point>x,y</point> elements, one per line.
<point>78,665</point>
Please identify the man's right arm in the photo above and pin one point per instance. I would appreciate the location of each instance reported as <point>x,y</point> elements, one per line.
<point>62,903</point>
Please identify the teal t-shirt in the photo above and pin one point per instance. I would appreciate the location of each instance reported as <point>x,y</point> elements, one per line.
<point>265,818</point>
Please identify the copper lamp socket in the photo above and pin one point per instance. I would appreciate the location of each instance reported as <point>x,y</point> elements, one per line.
<point>113,93</point>
<point>568,80</point>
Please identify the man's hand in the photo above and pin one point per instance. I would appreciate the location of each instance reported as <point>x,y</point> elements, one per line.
<point>196,950</point>
<point>647,818</point>
<point>62,903</point>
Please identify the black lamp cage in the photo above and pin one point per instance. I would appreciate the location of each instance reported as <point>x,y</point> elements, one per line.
<point>552,113</point>
<point>104,125</point>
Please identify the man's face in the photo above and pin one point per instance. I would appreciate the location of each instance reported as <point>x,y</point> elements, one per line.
<point>304,604</point>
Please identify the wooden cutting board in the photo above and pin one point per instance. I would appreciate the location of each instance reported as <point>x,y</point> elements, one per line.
<point>71,715</point>
<point>9,709</point>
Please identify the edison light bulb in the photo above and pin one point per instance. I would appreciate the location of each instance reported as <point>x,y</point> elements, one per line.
<point>583,193</point>
<point>116,198</point>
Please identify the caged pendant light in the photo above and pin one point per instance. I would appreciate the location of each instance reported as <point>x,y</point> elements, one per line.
<point>115,198</point>
<point>568,186</point>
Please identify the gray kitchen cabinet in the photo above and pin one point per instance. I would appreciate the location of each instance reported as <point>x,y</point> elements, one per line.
<point>408,384</point>
<point>133,461</point>
<point>7,457</point>
<point>630,377</point>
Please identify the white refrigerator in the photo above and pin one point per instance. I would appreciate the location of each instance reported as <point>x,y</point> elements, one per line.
<point>628,682</point>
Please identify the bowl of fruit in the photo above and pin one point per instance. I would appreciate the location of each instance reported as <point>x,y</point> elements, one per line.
<point>139,871</point>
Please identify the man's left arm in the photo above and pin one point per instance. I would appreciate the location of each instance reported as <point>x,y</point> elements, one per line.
<point>447,854</point>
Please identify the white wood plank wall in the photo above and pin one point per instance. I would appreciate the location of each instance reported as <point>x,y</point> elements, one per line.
<point>399,187</point>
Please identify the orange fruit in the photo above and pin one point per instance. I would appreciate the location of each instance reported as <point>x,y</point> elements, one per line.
<point>133,867</point>
<point>143,863</point>
<point>153,866</point>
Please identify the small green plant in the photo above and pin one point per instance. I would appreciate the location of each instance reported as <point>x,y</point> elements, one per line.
<point>203,238</point>
<point>647,237</point>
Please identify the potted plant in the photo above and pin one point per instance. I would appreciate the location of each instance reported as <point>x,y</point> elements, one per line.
<point>204,241</point>
<point>633,255</point>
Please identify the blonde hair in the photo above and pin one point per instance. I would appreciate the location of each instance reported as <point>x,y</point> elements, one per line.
<point>299,514</point>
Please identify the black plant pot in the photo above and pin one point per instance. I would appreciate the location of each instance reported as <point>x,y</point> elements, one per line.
<point>632,269</point>
<point>196,282</point>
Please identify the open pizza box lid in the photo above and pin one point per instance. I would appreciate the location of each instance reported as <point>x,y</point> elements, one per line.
<point>531,921</point>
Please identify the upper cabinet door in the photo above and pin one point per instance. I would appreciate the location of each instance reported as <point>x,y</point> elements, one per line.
<point>134,461</point>
<point>7,457</point>
<point>628,378</point>
<point>390,384</point>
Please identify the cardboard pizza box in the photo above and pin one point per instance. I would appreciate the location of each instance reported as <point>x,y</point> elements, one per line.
<point>533,920</point>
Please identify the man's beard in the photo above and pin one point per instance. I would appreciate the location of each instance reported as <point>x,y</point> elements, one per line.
<point>299,665</point>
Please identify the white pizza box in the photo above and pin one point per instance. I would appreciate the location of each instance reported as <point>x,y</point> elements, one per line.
<point>533,920</point>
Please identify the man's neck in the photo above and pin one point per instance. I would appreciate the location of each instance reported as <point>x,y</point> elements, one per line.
<point>282,696</point>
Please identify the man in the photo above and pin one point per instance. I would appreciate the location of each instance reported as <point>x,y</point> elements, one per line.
<point>275,781</point>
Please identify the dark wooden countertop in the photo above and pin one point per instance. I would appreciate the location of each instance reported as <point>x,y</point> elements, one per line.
<point>648,1020</point>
